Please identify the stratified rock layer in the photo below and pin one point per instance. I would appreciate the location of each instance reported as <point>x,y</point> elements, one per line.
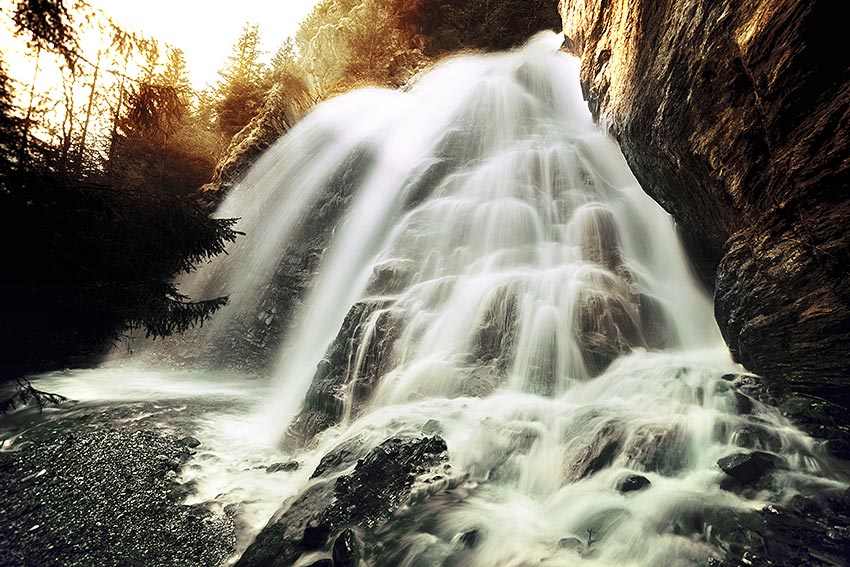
<point>734,116</point>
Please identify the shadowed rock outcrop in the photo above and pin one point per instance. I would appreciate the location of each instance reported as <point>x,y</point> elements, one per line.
<point>329,513</point>
<point>735,118</point>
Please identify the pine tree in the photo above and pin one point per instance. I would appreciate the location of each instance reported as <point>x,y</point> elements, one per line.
<point>241,90</point>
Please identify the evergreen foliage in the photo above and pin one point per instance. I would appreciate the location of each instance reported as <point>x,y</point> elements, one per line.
<point>241,89</point>
<point>95,237</point>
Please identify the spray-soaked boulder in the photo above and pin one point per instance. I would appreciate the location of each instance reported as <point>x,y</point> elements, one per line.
<point>325,516</point>
<point>656,448</point>
<point>360,353</point>
<point>496,330</point>
<point>748,468</point>
<point>595,229</point>
<point>605,322</point>
<point>590,458</point>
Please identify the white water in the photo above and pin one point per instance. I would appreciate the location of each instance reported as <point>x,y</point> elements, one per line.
<point>498,278</point>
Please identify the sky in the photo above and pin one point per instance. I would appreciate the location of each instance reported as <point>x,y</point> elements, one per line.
<point>206,29</point>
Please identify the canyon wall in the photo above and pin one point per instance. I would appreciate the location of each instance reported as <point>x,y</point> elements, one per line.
<point>734,116</point>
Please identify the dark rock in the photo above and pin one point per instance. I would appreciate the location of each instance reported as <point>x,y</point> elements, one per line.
<point>315,536</point>
<point>283,467</point>
<point>597,455</point>
<point>839,448</point>
<point>323,405</point>
<point>805,505</point>
<point>734,116</point>
<point>496,331</point>
<point>743,403</point>
<point>470,538</point>
<point>189,441</point>
<point>362,499</point>
<point>632,483</point>
<point>606,323</point>
<point>322,563</point>
<point>346,549</point>
<point>748,468</point>
<point>340,458</point>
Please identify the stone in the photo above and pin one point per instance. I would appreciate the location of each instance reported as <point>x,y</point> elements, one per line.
<point>470,538</point>
<point>748,468</point>
<point>346,549</point>
<point>743,403</point>
<point>288,466</point>
<point>315,536</point>
<point>632,483</point>
<point>362,499</point>
<point>189,441</point>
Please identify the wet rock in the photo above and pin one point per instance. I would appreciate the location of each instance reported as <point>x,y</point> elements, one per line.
<point>594,227</point>
<point>315,536</point>
<point>324,402</point>
<point>496,331</point>
<point>189,441</point>
<point>839,448</point>
<point>734,117</point>
<point>362,499</point>
<point>656,448</point>
<point>327,562</point>
<point>390,277</point>
<point>346,549</point>
<point>743,403</point>
<point>655,322</point>
<point>605,323</point>
<point>288,466</point>
<point>470,538</point>
<point>748,468</point>
<point>632,483</point>
<point>592,458</point>
<point>340,458</point>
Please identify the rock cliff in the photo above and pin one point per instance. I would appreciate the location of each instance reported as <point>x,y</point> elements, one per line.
<point>734,116</point>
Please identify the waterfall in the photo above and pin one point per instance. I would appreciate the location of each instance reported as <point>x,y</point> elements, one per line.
<point>487,268</point>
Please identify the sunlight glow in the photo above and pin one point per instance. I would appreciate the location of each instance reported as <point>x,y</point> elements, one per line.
<point>205,30</point>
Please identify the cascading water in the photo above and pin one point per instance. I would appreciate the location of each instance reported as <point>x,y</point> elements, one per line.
<point>497,276</point>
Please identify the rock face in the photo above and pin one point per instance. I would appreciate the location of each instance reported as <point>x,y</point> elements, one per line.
<point>735,116</point>
<point>328,513</point>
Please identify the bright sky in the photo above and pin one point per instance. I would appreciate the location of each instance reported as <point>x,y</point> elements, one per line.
<point>206,29</point>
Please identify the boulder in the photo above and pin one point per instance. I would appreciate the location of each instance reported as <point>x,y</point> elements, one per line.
<point>332,508</point>
<point>633,483</point>
<point>749,468</point>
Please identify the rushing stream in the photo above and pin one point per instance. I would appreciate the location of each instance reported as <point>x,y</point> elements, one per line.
<point>499,278</point>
